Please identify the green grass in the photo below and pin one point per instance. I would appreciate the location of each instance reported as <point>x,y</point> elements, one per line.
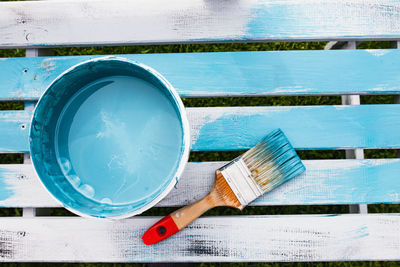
<point>228,155</point>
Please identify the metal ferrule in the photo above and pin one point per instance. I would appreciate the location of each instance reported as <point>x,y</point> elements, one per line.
<point>240,180</point>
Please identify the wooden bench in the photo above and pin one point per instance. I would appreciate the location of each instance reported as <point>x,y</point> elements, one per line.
<point>344,237</point>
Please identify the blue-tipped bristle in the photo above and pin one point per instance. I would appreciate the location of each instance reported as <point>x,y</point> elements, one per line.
<point>273,161</point>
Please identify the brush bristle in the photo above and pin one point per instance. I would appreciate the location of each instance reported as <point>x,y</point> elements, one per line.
<point>273,161</point>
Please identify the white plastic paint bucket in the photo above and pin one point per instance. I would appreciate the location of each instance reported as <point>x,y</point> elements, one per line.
<point>109,138</point>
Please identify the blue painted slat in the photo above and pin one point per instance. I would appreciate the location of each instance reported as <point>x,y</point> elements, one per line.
<point>70,23</point>
<point>232,73</point>
<point>233,128</point>
<point>14,130</point>
<point>312,127</point>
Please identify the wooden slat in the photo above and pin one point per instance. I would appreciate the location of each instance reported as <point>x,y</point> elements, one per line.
<point>210,239</point>
<point>356,153</point>
<point>235,128</point>
<point>14,131</point>
<point>28,106</point>
<point>324,182</point>
<point>67,23</point>
<point>312,127</point>
<point>232,73</point>
<point>21,187</point>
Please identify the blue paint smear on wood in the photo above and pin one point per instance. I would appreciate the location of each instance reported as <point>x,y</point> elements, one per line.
<point>5,191</point>
<point>301,20</point>
<point>348,182</point>
<point>307,127</point>
<point>232,73</point>
<point>276,20</point>
<point>324,182</point>
<point>312,127</point>
<point>205,21</point>
<point>14,131</point>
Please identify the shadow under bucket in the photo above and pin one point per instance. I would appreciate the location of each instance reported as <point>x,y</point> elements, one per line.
<point>109,138</point>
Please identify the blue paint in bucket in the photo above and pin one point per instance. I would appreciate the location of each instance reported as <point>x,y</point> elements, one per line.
<point>109,137</point>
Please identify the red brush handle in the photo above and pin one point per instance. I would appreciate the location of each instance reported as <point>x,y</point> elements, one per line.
<point>179,219</point>
<point>160,231</point>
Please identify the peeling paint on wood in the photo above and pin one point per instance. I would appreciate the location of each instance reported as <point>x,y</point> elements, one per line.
<point>324,182</point>
<point>271,238</point>
<point>21,187</point>
<point>232,73</point>
<point>41,24</point>
<point>210,239</point>
<point>10,242</point>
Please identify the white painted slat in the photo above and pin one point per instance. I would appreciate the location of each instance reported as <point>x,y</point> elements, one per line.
<point>235,238</point>
<point>20,187</point>
<point>102,22</point>
<point>324,182</point>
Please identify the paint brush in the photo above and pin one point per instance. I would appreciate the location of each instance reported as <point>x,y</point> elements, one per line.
<point>264,167</point>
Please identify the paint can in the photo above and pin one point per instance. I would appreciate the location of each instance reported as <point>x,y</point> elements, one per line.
<point>109,138</point>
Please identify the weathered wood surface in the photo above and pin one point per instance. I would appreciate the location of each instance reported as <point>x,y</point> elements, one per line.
<point>30,106</point>
<point>307,127</point>
<point>14,131</point>
<point>213,239</point>
<point>68,23</point>
<point>235,128</point>
<point>232,73</point>
<point>271,238</point>
<point>324,182</point>
<point>356,153</point>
